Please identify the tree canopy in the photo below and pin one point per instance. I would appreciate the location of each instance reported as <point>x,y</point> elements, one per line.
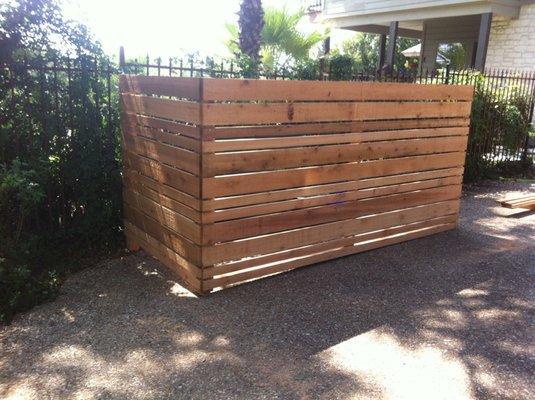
<point>38,27</point>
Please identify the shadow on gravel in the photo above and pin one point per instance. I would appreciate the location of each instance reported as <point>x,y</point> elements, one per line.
<point>447,314</point>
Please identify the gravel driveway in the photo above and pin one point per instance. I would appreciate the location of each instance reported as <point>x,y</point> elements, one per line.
<point>445,317</point>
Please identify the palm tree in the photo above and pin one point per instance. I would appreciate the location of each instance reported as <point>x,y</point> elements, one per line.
<point>282,43</point>
<point>251,22</point>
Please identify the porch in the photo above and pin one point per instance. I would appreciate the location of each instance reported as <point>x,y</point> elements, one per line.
<point>466,22</point>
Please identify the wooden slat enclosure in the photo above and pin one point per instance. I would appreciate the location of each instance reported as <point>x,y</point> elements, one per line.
<point>230,180</point>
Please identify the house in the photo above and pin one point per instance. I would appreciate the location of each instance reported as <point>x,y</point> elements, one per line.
<point>493,33</point>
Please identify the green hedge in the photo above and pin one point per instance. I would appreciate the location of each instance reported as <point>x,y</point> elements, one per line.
<point>499,130</point>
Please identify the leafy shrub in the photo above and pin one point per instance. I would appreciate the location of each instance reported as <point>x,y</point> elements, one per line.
<point>21,288</point>
<point>248,67</point>
<point>21,197</point>
<point>60,183</point>
<point>499,130</point>
<point>342,67</point>
<point>308,70</point>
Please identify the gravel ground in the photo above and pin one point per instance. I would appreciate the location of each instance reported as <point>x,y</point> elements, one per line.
<point>445,317</point>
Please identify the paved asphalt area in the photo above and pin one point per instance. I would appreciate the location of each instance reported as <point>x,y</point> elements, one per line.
<point>445,317</point>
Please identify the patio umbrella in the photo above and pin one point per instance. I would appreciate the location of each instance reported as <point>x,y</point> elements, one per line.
<point>413,51</point>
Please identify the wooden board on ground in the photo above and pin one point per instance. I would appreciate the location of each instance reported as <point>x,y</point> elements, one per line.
<point>527,202</point>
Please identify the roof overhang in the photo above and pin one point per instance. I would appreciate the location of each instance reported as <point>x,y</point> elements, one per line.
<point>383,29</point>
<point>411,15</point>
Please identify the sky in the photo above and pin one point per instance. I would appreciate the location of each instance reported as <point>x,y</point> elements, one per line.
<point>164,27</point>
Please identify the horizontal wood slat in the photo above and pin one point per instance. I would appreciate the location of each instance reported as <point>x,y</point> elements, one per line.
<point>261,225</point>
<point>249,178</point>
<point>224,252</point>
<point>527,202</point>
<point>179,244</point>
<point>236,162</point>
<point>160,195</point>
<point>318,128</point>
<point>185,111</point>
<point>250,183</point>
<point>315,190</point>
<point>179,87</point>
<point>181,180</point>
<point>313,258</point>
<point>189,272</point>
<point>316,140</point>
<point>338,197</point>
<point>273,90</point>
<point>131,124</point>
<point>163,190</point>
<point>257,113</point>
<point>323,245</point>
<point>163,125</point>
<point>164,216</point>
<point>164,153</point>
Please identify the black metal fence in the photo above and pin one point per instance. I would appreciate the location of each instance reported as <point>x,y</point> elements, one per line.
<point>73,96</point>
<point>60,97</point>
<point>59,123</point>
<point>208,67</point>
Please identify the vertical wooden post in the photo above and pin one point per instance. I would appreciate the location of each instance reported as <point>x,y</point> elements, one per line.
<point>122,60</point>
<point>202,172</point>
<point>392,39</point>
<point>483,41</point>
<point>382,50</point>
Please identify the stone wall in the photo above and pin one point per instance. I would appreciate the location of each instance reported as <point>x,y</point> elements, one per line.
<point>512,42</point>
